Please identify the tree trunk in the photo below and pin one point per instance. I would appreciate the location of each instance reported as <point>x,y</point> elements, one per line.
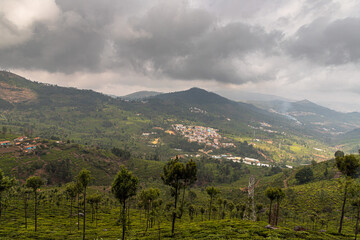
<point>183,200</point>
<point>174,214</point>
<point>211,199</point>
<point>92,212</point>
<point>0,206</point>
<point>124,220</point>
<point>357,222</point>
<point>128,214</point>
<point>35,211</point>
<point>343,208</point>
<point>277,213</point>
<point>71,207</point>
<point>270,212</point>
<point>159,229</point>
<point>147,213</point>
<point>84,213</point>
<point>25,203</point>
<point>96,209</point>
<point>78,211</point>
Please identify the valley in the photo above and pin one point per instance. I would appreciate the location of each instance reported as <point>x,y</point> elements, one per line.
<point>54,133</point>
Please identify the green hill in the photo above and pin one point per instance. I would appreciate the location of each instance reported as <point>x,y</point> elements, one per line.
<point>84,116</point>
<point>140,95</point>
<point>323,122</point>
<point>59,162</point>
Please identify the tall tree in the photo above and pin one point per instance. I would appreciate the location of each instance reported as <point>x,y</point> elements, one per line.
<point>25,194</point>
<point>147,198</point>
<point>79,190</point>
<point>177,176</point>
<point>279,196</point>
<point>202,211</point>
<point>94,201</point>
<point>355,202</point>
<point>271,193</point>
<point>192,211</point>
<point>84,179</point>
<point>35,183</point>
<point>348,166</point>
<point>124,187</point>
<point>212,192</point>
<point>71,191</point>
<point>5,184</point>
<point>190,178</point>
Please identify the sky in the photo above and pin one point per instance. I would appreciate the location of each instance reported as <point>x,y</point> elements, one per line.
<point>296,49</point>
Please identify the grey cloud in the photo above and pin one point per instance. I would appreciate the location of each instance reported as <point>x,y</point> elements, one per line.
<point>329,43</point>
<point>64,49</point>
<point>213,54</point>
<point>74,42</point>
<point>170,40</point>
<point>189,44</point>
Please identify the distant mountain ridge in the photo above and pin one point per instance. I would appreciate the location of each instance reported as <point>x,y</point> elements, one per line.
<point>194,96</point>
<point>140,95</point>
<point>19,91</point>
<point>242,96</point>
<point>88,114</point>
<point>314,116</point>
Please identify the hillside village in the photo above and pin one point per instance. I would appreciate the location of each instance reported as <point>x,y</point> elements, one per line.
<point>203,135</point>
<point>22,144</point>
<point>210,138</point>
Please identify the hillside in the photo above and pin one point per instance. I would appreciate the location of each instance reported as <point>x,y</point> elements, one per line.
<point>59,162</point>
<point>200,105</point>
<point>140,95</point>
<point>325,123</point>
<point>317,199</point>
<point>23,93</point>
<point>85,116</point>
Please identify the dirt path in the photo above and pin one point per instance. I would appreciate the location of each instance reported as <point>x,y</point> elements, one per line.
<point>287,179</point>
<point>257,183</point>
<point>266,157</point>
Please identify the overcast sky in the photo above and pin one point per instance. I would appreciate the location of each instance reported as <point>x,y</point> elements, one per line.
<point>294,49</point>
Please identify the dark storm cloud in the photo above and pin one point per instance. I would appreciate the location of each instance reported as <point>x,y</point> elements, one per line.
<point>329,43</point>
<point>189,44</point>
<point>216,55</point>
<point>74,42</point>
<point>170,39</point>
<point>173,39</point>
<point>65,49</point>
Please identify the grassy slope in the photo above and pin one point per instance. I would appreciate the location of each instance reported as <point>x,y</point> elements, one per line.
<point>54,223</point>
<point>319,200</point>
<point>103,164</point>
<point>90,117</point>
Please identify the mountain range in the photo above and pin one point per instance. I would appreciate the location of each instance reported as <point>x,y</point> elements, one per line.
<point>86,116</point>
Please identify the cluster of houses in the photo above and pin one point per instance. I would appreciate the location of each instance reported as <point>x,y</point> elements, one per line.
<point>264,127</point>
<point>197,110</point>
<point>245,160</point>
<point>24,143</point>
<point>202,135</point>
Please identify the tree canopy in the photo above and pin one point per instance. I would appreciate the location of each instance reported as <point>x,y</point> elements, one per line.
<point>304,175</point>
